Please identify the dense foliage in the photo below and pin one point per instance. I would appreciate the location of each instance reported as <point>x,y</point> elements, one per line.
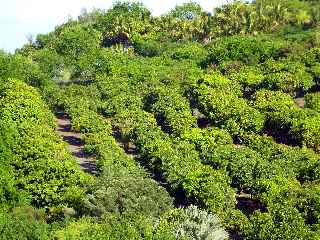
<point>202,125</point>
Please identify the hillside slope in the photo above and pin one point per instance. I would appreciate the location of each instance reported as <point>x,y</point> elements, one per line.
<point>195,125</point>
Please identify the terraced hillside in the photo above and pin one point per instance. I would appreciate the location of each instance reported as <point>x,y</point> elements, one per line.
<point>122,125</point>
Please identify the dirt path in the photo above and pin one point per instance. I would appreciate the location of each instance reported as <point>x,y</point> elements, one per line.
<point>75,144</point>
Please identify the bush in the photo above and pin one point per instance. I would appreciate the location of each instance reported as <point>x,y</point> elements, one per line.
<point>315,70</point>
<point>218,81</point>
<point>75,40</point>
<point>229,111</point>
<point>40,163</point>
<point>296,162</point>
<point>147,48</point>
<point>50,62</point>
<point>179,163</point>
<point>307,131</point>
<point>120,191</point>
<point>20,67</point>
<point>278,190</point>
<point>313,101</point>
<point>171,110</point>
<point>194,223</point>
<point>207,139</point>
<point>273,101</point>
<point>248,49</point>
<point>210,189</point>
<point>249,77</point>
<point>280,109</point>
<point>191,50</point>
<point>123,187</point>
<point>9,194</point>
<point>302,164</point>
<point>243,165</point>
<point>115,226</point>
<point>308,203</point>
<point>282,222</point>
<point>78,45</point>
<point>23,223</point>
<point>312,57</point>
<point>288,76</point>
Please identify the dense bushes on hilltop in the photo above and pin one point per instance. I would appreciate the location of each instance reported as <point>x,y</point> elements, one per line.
<point>192,118</point>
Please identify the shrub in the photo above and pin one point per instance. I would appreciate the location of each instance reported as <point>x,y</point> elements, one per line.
<point>208,139</point>
<point>191,50</point>
<point>218,81</point>
<point>171,110</point>
<point>119,191</point>
<point>249,77</point>
<point>279,108</point>
<point>179,163</point>
<point>283,222</point>
<point>148,48</point>
<point>23,223</point>
<point>123,186</point>
<point>284,160</point>
<point>243,165</point>
<point>273,101</point>
<point>115,226</point>
<point>75,40</point>
<point>278,190</point>
<point>41,165</point>
<point>250,50</point>
<point>20,67</point>
<point>313,101</point>
<point>50,62</point>
<point>315,70</point>
<point>288,76</point>
<point>301,163</point>
<point>194,223</point>
<point>229,111</point>
<point>210,189</point>
<point>78,45</point>
<point>307,131</point>
<point>308,203</point>
<point>312,57</point>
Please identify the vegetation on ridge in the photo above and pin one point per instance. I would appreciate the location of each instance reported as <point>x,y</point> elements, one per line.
<point>202,125</point>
